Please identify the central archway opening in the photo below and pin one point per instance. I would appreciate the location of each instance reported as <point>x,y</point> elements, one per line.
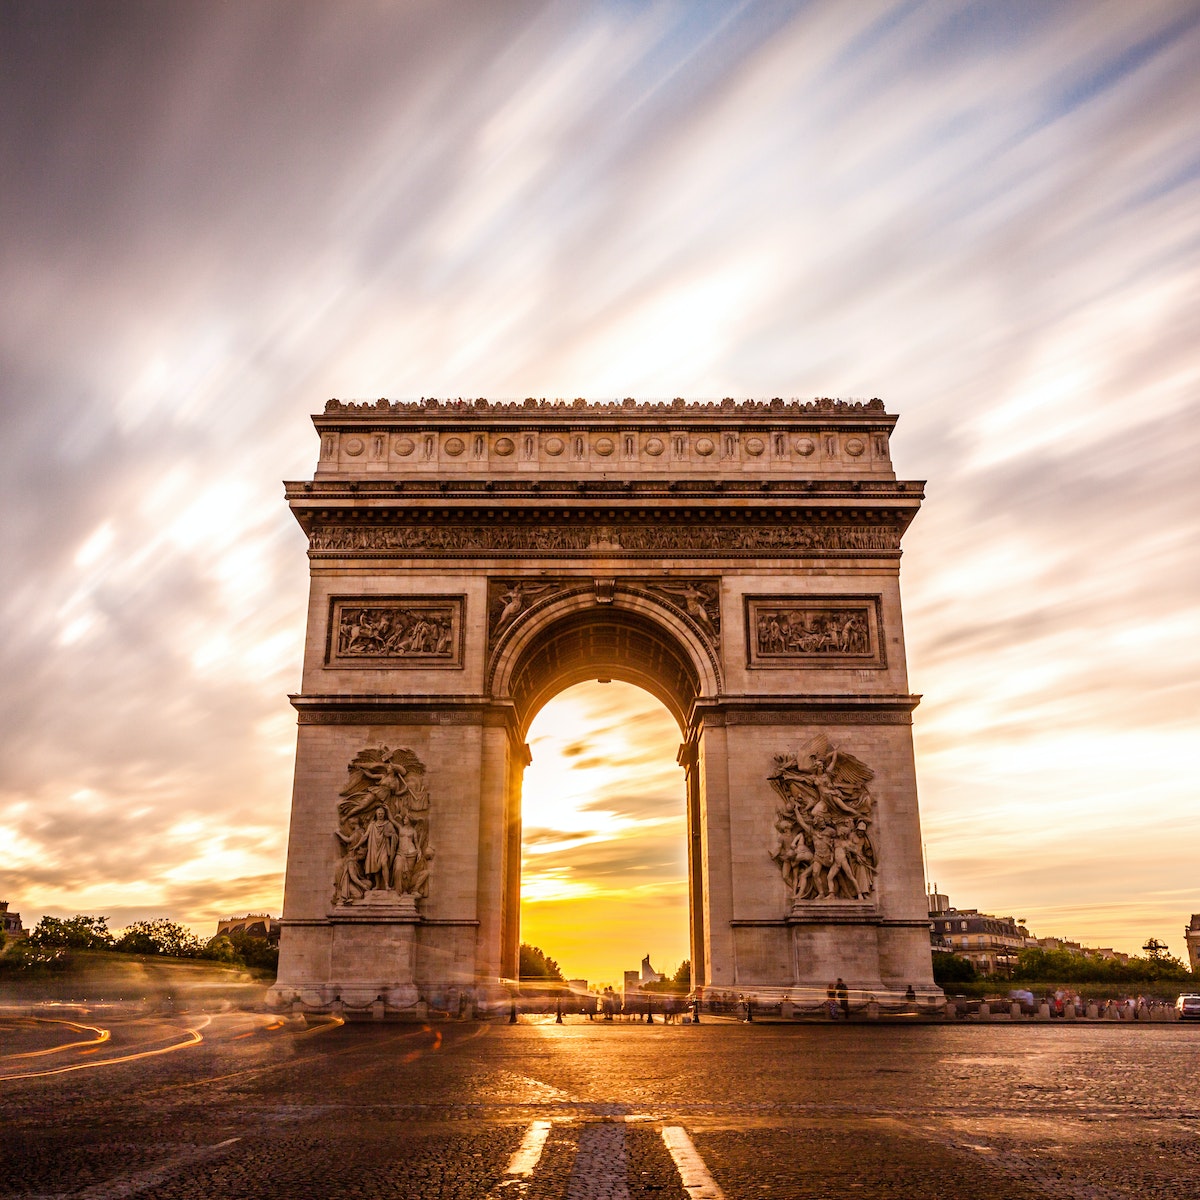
<point>604,863</point>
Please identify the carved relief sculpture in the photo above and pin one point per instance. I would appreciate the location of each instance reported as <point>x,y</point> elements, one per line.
<point>369,631</point>
<point>383,831</point>
<point>812,631</point>
<point>823,836</point>
<point>699,598</point>
<point>551,539</point>
<point>509,598</point>
<point>827,632</point>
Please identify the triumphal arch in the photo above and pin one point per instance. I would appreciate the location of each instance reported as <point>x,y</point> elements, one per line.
<point>470,559</point>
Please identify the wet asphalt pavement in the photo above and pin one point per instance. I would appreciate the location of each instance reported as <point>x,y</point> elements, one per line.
<point>244,1105</point>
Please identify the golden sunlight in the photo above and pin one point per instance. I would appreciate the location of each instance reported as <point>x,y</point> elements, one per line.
<point>604,865</point>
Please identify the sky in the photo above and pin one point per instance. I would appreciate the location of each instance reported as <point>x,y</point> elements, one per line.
<point>217,215</point>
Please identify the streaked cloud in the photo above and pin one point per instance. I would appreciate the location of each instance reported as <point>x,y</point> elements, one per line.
<point>215,217</point>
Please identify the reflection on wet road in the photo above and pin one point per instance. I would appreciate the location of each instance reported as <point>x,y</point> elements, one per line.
<point>242,1104</point>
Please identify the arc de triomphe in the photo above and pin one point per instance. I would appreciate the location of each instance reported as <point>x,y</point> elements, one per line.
<point>471,559</point>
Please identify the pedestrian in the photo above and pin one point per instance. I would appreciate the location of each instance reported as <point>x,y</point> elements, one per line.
<point>843,996</point>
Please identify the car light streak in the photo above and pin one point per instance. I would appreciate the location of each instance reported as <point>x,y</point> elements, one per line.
<point>194,1038</point>
<point>102,1035</point>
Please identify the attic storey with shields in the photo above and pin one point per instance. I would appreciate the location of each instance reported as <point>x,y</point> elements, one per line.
<point>471,559</point>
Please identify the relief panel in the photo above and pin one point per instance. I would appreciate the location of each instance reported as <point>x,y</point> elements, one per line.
<point>824,841</point>
<point>395,631</point>
<point>814,631</point>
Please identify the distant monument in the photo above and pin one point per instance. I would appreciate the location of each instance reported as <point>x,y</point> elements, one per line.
<point>649,974</point>
<point>1192,937</point>
<point>471,559</point>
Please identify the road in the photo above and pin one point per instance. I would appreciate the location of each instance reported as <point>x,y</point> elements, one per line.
<point>102,1105</point>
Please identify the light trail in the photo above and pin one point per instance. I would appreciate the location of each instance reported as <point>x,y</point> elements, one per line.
<point>194,1038</point>
<point>102,1035</point>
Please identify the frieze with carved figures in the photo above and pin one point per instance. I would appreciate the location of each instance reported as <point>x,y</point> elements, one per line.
<point>408,540</point>
<point>825,631</point>
<point>395,631</point>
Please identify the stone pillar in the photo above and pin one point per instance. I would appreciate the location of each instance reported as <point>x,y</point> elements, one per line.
<point>687,759</point>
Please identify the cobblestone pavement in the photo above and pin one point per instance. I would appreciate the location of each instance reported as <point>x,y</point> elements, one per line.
<point>243,1105</point>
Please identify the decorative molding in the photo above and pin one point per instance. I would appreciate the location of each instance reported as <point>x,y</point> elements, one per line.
<point>514,600</point>
<point>392,632</point>
<point>823,843</point>
<point>827,717</point>
<point>571,410</point>
<point>346,541</point>
<point>815,632</point>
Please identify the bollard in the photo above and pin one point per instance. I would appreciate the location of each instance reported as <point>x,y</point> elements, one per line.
<point>1069,1011</point>
<point>1092,1011</point>
<point>873,1009</point>
<point>951,1011</point>
<point>512,1012</point>
<point>985,1010</point>
<point>1014,1009</point>
<point>558,1011</point>
<point>377,1009</point>
<point>787,1010</point>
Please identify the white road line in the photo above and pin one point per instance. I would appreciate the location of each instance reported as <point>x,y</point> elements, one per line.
<point>693,1174</point>
<point>530,1149</point>
<point>524,1162</point>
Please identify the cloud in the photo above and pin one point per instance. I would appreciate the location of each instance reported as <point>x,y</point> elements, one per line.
<point>218,216</point>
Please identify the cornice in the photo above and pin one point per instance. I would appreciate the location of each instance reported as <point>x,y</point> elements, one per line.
<point>566,412</point>
<point>493,491</point>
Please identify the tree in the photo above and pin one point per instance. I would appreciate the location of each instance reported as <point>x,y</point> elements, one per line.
<point>952,968</point>
<point>160,936</point>
<point>534,964</point>
<point>79,932</point>
<point>242,950</point>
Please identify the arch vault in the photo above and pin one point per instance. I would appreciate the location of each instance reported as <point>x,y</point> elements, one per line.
<point>469,560</point>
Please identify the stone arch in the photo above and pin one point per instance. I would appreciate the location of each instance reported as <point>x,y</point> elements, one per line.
<point>629,637</point>
<point>539,544</point>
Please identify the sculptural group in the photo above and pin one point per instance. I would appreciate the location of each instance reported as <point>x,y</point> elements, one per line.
<point>383,830</point>
<point>823,842</point>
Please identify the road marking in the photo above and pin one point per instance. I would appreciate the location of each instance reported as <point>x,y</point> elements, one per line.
<point>693,1174</point>
<point>145,1181</point>
<point>530,1149</point>
<point>601,1170</point>
<point>523,1163</point>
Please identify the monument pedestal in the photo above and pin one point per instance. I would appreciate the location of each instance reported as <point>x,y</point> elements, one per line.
<point>371,958</point>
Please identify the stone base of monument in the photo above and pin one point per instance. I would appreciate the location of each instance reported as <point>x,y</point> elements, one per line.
<point>369,971</point>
